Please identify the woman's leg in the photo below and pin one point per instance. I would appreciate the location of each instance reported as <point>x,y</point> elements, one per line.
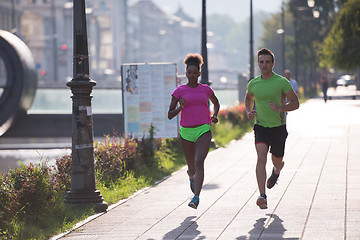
<point>189,152</point>
<point>202,149</point>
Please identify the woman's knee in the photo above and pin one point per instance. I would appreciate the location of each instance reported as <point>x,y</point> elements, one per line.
<point>199,164</point>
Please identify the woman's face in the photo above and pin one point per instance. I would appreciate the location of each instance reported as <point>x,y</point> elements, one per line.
<point>192,73</point>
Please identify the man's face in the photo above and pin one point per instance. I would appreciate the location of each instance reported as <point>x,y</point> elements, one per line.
<point>287,75</point>
<point>265,64</point>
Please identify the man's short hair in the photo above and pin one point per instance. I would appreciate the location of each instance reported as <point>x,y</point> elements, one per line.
<point>265,51</point>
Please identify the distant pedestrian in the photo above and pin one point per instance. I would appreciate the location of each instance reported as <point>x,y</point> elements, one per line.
<point>294,84</point>
<point>195,132</point>
<point>269,91</point>
<point>324,82</point>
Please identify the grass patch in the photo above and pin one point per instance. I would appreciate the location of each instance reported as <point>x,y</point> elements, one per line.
<point>122,189</point>
<point>226,132</point>
<point>47,224</point>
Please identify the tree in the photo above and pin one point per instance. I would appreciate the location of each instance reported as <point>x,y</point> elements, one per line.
<point>341,47</point>
<point>304,35</point>
<point>233,37</point>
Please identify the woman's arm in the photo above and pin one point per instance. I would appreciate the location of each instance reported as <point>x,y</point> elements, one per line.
<point>173,111</point>
<point>216,103</point>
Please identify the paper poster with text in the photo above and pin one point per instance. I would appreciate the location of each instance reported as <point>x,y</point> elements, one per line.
<point>147,92</point>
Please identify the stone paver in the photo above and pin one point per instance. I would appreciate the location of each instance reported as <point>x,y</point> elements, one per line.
<point>317,196</point>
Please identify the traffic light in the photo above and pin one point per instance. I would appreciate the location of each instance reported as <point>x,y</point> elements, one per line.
<point>64,47</point>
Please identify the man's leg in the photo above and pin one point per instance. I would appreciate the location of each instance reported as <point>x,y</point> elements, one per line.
<point>277,149</point>
<point>261,150</point>
<point>278,164</point>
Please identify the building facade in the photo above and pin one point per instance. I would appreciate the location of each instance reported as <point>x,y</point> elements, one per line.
<point>118,33</point>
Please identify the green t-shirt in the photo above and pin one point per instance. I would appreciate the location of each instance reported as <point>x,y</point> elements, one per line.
<point>271,89</point>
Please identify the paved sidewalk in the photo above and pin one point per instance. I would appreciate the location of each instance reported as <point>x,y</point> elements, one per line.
<point>317,196</point>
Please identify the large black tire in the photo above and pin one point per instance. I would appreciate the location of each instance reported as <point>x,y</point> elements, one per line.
<point>21,80</point>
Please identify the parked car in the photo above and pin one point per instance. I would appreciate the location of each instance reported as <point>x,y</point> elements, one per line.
<point>346,80</point>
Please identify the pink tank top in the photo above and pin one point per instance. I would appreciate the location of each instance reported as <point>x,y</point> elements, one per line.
<point>196,110</point>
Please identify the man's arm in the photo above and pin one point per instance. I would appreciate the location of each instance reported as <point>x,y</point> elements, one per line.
<point>249,102</point>
<point>293,103</point>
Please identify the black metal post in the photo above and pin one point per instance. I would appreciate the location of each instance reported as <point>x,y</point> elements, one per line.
<point>251,76</point>
<point>283,35</point>
<point>83,190</point>
<point>204,68</point>
<point>13,17</point>
<point>54,37</point>
<point>296,45</point>
<point>125,32</point>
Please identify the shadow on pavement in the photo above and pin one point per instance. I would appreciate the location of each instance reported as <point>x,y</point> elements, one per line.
<point>275,228</point>
<point>210,186</point>
<point>185,225</point>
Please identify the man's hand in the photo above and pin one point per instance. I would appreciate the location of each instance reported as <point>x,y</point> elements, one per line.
<point>251,114</point>
<point>274,107</point>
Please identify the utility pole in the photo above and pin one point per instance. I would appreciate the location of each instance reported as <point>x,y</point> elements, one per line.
<point>283,35</point>
<point>13,17</point>
<point>251,76</point>
<point>204,68</point>
<point>54,37</point>
<point>83,190</point>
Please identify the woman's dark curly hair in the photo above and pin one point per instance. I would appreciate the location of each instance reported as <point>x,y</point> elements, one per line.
<point>193,59</point>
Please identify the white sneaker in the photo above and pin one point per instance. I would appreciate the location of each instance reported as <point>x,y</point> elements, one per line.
<point>261,202</point>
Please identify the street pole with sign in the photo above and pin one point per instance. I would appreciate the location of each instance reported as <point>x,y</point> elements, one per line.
<point>83,190</point>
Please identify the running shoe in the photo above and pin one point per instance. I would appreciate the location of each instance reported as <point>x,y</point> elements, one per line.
<point>262,202</point>
<point>272,179</point>
<point>194,203</point>
<point>192,186</point>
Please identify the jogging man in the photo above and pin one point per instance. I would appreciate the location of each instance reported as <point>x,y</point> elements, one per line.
<point>269,90</point>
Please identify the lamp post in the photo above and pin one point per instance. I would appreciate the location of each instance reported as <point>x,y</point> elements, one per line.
<point>283,35</point>
<point>204,67</point>
<point>13,17</point>
<point>303,13</point>
<point>296,45</point>
<point>83,190</point>
<point>251,76</point>
<point>54,37</point>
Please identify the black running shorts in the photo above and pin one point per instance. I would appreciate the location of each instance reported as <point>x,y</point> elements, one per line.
<point>274,138</point>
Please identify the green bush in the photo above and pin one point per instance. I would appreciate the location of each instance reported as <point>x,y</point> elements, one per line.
<point>27,192</point>
<point>63,173</point>
<point>33,189</point>
<point>114,156</point>
<point>147,149</point>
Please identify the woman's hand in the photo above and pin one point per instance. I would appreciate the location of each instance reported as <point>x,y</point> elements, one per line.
<point>182,103</point>
<point>214,119</point>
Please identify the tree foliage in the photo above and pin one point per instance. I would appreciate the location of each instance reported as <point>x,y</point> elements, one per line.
<point>341,48</point>
<point>232,37</point>
<point>304,37</point>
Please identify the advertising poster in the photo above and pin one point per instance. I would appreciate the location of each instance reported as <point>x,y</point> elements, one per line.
<point>147,92</point>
